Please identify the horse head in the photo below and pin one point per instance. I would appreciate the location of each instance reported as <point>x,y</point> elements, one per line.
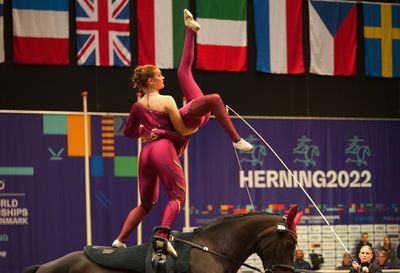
<point>277,245</point>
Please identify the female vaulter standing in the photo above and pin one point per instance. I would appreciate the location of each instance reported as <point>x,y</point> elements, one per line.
<point>155,117</point>
<point>158,160</point>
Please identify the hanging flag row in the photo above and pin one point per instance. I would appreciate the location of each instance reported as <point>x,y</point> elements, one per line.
<point>41,34</point>
<point>333,37</point>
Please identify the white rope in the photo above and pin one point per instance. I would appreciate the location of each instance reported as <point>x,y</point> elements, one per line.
<point>294,177</point>
<point>245,183</point>
<point>240,166</point>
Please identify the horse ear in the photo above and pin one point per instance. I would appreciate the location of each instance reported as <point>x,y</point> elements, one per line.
<point>297,220</point>
<point>291,216</point>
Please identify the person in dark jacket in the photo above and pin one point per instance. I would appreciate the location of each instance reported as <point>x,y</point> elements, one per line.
<point>389,250</point>
<point>365,265</point>
<point>398,255</point>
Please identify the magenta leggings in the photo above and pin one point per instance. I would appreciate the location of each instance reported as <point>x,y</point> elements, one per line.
<point>197,112</point>
<point>157,162</point>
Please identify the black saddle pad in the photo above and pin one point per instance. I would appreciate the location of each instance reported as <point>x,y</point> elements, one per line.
<point>134,258</point>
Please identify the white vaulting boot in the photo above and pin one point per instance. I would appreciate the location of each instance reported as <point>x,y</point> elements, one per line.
<point>189,21</point>
<point>243,145</point>
<point>118,244</point>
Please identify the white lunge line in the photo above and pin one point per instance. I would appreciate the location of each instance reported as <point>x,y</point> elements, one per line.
<point>240,166</point>
<point>87,176</point>
<point>245,183</point>
<point>294,177</point>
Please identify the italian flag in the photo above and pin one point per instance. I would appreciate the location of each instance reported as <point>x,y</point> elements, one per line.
<point>161,32</point>
<point>222,39</point>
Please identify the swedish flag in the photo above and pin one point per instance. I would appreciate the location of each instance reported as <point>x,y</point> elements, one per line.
<point>382,40</point>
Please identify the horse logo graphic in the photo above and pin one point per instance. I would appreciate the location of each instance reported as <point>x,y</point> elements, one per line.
<point>54,155</point>
<point>358,151</point>
<point>119,124</point>
<point>308,151</point>
<point>258,151</point>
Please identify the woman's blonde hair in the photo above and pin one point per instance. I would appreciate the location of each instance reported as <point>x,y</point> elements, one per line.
<point>141,74</point>
<point>367,246</point>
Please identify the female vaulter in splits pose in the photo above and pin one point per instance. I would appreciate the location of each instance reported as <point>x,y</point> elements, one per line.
<point>197,112</point>
<point>154,117</point>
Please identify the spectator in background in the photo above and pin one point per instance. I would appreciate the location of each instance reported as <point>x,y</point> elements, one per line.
<point>365,265</point>
<point>391,253</point>
<point>382,260</point>
<point>363,242</point>
<point>346,262</point>
<point>398,255</point>
<point>299,262</point>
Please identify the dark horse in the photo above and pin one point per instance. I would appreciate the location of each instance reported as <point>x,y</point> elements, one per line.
<point>232,239</point>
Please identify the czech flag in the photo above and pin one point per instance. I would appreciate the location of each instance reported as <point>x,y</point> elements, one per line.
<point>333,38</point>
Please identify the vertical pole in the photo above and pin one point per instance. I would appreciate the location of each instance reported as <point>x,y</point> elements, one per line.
<point>186,172</point>
<point>87,177</point>
<point>139,148</point>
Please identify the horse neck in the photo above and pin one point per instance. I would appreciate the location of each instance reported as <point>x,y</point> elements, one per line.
<point>238,239</point>
<point>261,229</point>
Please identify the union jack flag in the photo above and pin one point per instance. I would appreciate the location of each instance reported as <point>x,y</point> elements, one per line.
<point>102,30</point>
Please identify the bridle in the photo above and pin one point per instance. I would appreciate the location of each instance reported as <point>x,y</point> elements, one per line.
<point>280,228</point>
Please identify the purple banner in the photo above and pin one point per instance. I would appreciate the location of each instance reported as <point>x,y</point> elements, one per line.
<point>348,167</point>
<point>42,187</point>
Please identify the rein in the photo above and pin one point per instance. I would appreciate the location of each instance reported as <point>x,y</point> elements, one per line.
<point>280,228</point>
<point>206,249</point>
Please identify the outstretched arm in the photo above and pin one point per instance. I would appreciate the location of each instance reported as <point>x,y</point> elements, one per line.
<point>132,128</point>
